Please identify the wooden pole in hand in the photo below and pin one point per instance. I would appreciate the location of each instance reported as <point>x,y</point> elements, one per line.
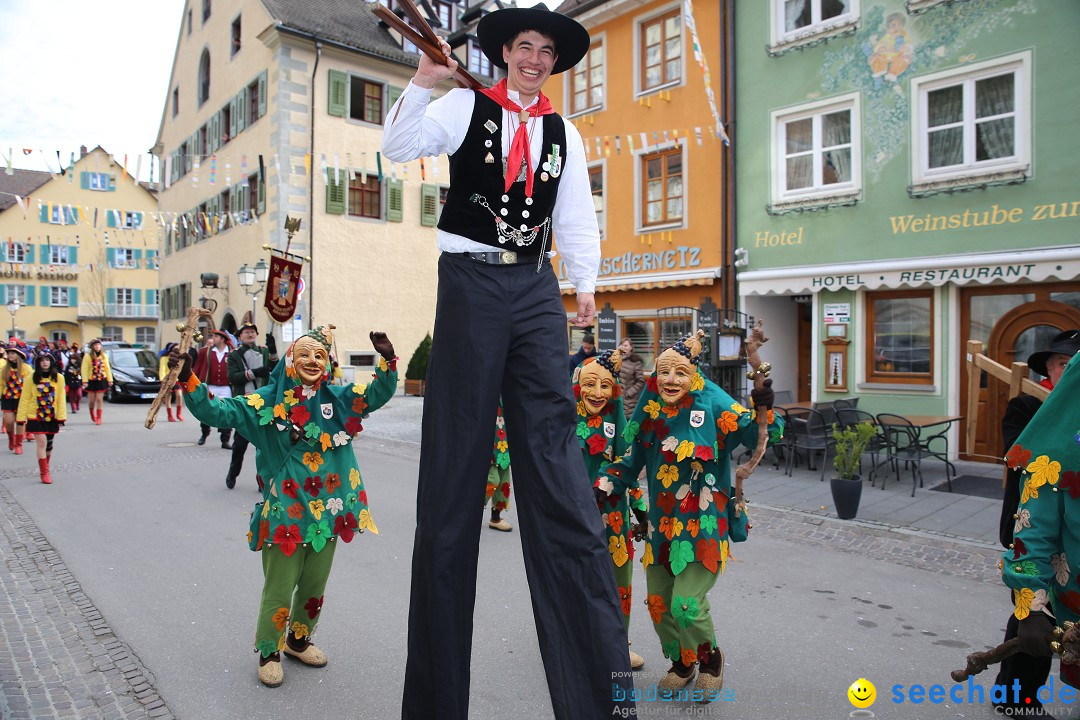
<point>758,374</point>
<point>187,330</point>
<point>423,38</point>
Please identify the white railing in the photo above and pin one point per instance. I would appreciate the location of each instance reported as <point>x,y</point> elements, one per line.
<point>120,310</point>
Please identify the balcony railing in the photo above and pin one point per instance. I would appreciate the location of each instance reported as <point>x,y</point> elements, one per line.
<point>120,310</point>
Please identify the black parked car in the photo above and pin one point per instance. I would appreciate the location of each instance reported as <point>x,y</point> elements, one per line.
<point>135,374</point>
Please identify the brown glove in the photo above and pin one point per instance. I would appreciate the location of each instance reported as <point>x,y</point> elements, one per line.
<point>382,345</point>
<point>1034,633</point>
<point>763,397</point>
<point>184,361</point>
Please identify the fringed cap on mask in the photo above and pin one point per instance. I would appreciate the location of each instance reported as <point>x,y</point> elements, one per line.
<point>324,334</point>
<point>611,360</point>
<point>690,346</point>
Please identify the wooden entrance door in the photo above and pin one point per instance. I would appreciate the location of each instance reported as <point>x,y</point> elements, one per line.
<point>1016,334</point>
<point>804,339</point>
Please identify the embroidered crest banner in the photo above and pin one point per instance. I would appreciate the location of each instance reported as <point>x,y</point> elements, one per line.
<point>281,288</point>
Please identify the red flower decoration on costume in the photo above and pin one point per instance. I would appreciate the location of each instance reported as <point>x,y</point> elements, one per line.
<point>299,415</point>
<point>1019,548</point>
<point>668,455</point>
<point>597,444</point>
<point>624,598</point>
<point>264,532</point>
<point>1070,480</point>
<point>1017,458</point>
<point>505,489</point>
<point>1070,598</point>
<point>689,503</point>
<point>313,485</point>
<point>666,501</point>
<point>295,511</point>
<point>313,606</point>
<point>661,429</point>
<point>353,426</point>
<point>651,383</point>
<point>359,405</point>
<point>704,650</point>
<point>703,452</point>
<point>287,538</point>
<point>362,497</point>
<point>500,434</point>
<point>289,487</point>
<point>333,482</point>
<point>708,554</point>
<point>594,421</point>
<point>344,527</point>
<point>615,523</point>
<point>721,527</point>
<point>577,392</point>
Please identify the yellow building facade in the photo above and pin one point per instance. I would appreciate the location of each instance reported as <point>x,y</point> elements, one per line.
<point>272,112</point>
<point>79,253</point>
<point>639,100</point>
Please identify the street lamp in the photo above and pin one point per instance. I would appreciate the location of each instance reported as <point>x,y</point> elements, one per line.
<point>249,276</point>
<point>13,307</point>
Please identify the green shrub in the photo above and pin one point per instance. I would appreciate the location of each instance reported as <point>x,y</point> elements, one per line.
<point>417,369</point>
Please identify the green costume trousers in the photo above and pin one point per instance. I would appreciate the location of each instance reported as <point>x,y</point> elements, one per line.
<point>624,578</point>
<point>679,608</point>
<point>498,488</point>
<point>297,582</point>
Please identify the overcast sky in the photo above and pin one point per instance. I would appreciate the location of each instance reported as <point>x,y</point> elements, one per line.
<point>84,73</point>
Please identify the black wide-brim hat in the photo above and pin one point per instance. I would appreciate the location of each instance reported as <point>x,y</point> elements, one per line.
<point>16,349</point>
<point>496,29</point>
<point>1064,343</point>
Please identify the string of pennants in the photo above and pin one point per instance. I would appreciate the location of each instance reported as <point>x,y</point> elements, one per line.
<point>600,146</point>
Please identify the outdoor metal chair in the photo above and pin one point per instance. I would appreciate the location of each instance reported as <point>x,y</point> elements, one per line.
<point>905,444</point>
<point>813,435</point>
<point>783,397</point>
<point>850,403</point>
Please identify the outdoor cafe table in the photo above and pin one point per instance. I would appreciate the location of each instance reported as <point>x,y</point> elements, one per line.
<point>925,421</point>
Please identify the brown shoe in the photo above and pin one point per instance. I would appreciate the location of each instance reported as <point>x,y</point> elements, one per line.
<point>678,675</point>
<point>310,656</point>
<point>710,677</point>
<point>271,674</point>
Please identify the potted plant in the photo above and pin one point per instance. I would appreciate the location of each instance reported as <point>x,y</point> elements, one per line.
<point>416,371</point>
<point>851,443</point>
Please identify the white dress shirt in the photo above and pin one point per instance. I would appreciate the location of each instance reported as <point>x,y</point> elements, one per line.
<point>416,129</point>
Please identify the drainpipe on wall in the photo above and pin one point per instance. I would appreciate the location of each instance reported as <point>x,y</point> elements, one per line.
<point>311,194</point>
<point>729,286</point>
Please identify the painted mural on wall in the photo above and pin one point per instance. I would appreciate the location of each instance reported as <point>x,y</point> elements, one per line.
<point>890,47</point>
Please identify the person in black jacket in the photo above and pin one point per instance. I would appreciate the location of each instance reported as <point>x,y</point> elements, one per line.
<point>1029,670</point>
<point>587,350</point>
<point>249,366</point>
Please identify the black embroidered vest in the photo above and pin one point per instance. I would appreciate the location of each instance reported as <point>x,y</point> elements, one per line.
<point>472,175</point>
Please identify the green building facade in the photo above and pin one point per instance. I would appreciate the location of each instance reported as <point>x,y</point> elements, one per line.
<point>906,181</point>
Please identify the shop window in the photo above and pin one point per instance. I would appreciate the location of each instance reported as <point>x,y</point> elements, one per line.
<point>973,122</point>
<point>587,80</point>
<point>642,333</point>
<point>662,201</point>
<point>660,46</point>
<point>900,327</point>
<point>365,198</point>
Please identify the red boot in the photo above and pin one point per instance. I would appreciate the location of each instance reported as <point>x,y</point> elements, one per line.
<point>18,444</point>
<point>179,407</point>
<point>43,465</point>
<point>98,418</point>
<point>169,411</point>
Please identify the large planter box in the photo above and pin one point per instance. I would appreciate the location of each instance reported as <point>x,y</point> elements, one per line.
<point>415,387</point>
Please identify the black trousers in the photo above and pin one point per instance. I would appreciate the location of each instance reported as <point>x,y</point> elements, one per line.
<point>502,329</point>
<point>225,433</point>
<point>239,447</point>
<point>1030,670</point>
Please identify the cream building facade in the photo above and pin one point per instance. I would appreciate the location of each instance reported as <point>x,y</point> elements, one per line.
<point>79,253</point>
<point>275,109</point>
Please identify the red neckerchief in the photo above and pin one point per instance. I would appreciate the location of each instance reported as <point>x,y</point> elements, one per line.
<point>1045,382</point>
<point>519,147</point>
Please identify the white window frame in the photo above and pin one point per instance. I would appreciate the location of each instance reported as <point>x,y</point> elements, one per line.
<point>59,296</point>
<point>639,228</point>
<point>132,220</point>
<point>113,333</point>
<point>602,164</point>
<point>1019,165</point>
<point>125,297</point>
<point>784,39</point>
<point>639,90</point>
<point>97,181</point>
<point>475,45</point>
<point>826,193</point>
<point>16,292</point>
<point>127,260</point>
<point>568,80</point>
<point>15,252</point>
<point>58,254</point>
<point>146,330</point>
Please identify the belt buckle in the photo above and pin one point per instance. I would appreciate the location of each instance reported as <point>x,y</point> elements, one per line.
<point>508,257</point>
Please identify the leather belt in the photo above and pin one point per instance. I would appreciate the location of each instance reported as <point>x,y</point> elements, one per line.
<point>499,257</point>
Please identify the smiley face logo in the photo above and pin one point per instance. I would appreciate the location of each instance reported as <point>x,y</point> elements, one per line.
<point>862,693</point>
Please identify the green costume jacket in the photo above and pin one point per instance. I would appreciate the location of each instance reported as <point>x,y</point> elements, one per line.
<point>686,451</point>
<point>1042,565</point>
<point>601,440</point>
<point>312,489</point>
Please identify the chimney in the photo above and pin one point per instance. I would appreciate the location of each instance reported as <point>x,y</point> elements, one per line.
<point>82,151</point>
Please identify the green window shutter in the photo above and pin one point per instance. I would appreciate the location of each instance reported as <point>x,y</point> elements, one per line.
<point>338,104</point>
<point>43,215</point>
<point>138,225</point>
<point>3,292</point>
<point>84,181</point>
<point>110,218</point>
<point>335,194</point>
<point>110,257</point>
<point>138,260</point>
<point>241,110</point>
<point>394,200</point>
<point>138,296</point>
<point>110,296</point>
<point>262,93</point>
<point>30,295</point>
<point>151,256</point>
<point>232,118</point>
<point>429,205</point>
<point>73,254</point>
<point>392,95</point>
<point>261,184</point>
<point>112,183</point>
<point>46,294</point>
<point>44,254</point>
<point>73,297</point>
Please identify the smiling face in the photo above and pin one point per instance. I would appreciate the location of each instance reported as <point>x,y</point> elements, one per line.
<point>13,357</point>
<point>248,335</point>
<point>674,374</point>
<point>862,693</point>
<point>45,362</point>
<point>309,360</point>
<point>1055,366</point>
<point>597,386</point>
<point>529,58</point>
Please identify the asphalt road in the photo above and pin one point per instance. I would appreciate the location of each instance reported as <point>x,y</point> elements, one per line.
<point>144,522</point>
